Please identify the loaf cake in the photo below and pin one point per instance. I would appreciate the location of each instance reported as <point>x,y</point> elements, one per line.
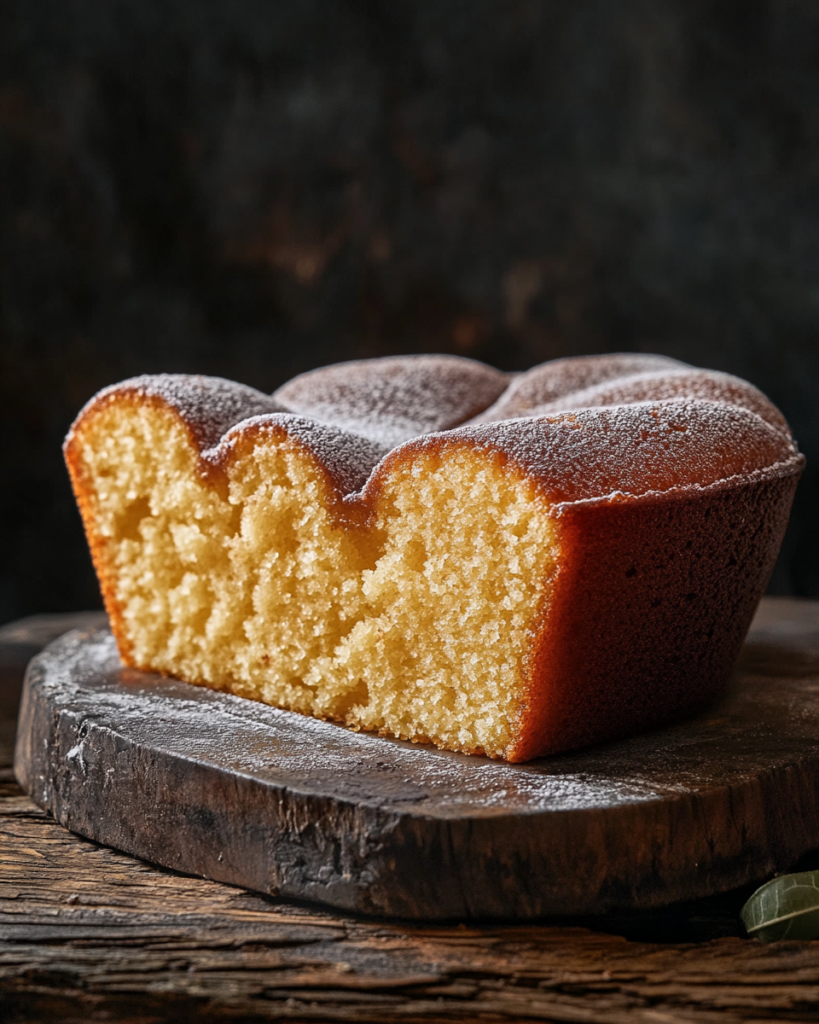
<point>428,548</point>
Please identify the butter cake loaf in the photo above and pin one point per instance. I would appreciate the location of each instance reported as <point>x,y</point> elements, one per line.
<point>423,546</point>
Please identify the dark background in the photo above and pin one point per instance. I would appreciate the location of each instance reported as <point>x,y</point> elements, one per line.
<point>252,188</point>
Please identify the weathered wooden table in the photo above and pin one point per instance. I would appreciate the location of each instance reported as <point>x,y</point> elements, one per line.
<point>89,934</point>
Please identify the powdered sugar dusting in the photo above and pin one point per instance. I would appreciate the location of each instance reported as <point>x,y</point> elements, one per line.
<point>393,399</point>
<point>635,449</point>
<point>707,384</point>
<point>644,423</point>
<point>349,458</point>
<point>209,405</point>
<point>553,380</point>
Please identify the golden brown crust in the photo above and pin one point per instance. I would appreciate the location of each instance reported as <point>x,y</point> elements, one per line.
<point>624,452</point>
<point>649,610</point>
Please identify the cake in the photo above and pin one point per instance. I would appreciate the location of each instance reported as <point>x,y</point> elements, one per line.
<point>428,548</point>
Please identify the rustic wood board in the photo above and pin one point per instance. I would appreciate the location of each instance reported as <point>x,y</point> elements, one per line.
<point>238,792</point>
<point>91,935</point>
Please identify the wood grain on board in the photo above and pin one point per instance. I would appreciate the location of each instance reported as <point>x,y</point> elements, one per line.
<point>90,934</point>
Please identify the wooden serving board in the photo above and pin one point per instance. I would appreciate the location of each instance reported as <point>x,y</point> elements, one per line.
<point>218,786</point>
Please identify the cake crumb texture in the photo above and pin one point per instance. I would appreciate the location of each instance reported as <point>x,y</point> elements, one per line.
<point>245,570</point>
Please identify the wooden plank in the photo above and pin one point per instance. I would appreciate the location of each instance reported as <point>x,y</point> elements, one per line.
<point>226,788</point>
<point>89,931</point>
<point>88,934</point>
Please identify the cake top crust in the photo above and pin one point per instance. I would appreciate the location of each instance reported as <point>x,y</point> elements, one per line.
<point>686,382</point>
<point>393,399</point>
<point>626,451</point>
<point>347,458</point>
<point>210,406</point>
<point>594,427</point>
<point>561,377</point>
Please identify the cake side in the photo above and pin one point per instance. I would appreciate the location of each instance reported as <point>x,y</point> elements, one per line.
<point>650,609</point>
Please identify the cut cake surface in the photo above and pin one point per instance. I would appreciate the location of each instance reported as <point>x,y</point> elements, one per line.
<point>580,559</point>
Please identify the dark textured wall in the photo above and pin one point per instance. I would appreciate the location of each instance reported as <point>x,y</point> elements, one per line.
<point>253,188</point>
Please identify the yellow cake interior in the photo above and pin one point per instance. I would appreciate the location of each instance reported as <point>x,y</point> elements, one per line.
<point>416,623</point>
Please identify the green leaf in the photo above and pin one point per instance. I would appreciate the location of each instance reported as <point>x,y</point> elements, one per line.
<point>784,908</point>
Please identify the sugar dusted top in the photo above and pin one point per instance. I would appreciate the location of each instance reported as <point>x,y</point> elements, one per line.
<point>585,428</point>
<point>560,377</point>
<point>348,458</point>
<point>393,399</point>
<point>685,382</point>
<point>626,450</point>
<point>209,405</point>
